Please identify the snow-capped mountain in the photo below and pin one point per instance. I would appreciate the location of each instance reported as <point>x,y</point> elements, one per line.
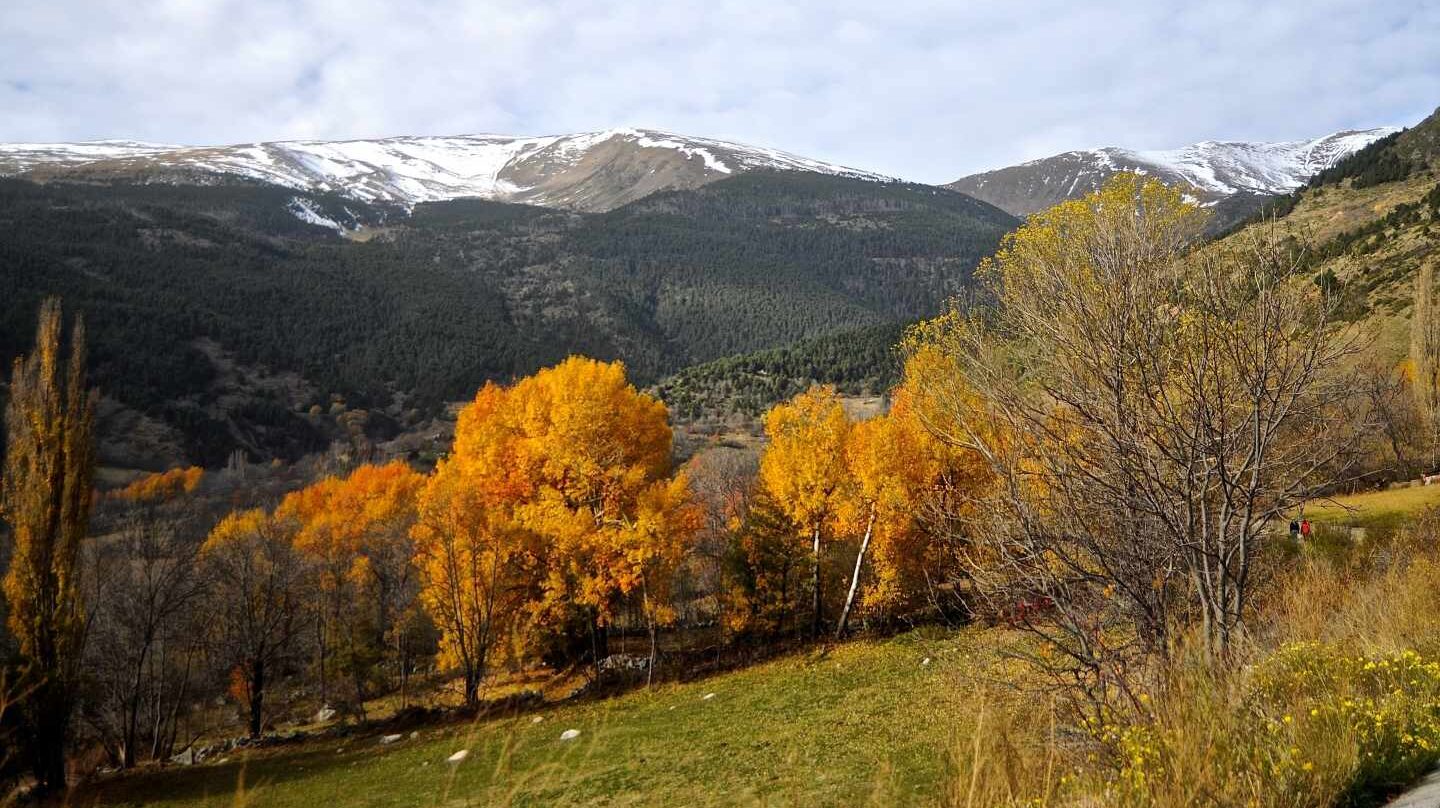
<point>1214,171</point>
<point>589,171</point>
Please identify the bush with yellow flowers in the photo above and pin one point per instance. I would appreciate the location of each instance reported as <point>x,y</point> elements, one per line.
<point>1377,713</point>
<point>1309,725</point>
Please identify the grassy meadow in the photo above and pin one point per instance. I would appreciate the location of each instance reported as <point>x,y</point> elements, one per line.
<point>867,722</point>
<point>1382,510</point>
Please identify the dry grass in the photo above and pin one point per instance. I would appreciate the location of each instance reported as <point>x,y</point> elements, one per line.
<point>1334,700</point>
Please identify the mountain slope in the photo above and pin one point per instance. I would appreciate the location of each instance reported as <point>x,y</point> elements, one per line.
<point>591,171</point>
<point>1215,172</point>
<point>195,295</point>
<point>1366,225</point>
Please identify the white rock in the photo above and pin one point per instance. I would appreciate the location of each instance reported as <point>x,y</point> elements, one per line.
<point>325,714</point>
<point>415,734</point>
<point>925,661</point>
<point>537,719</point>
<point>570,735</point>
<point>458,756</point>
<point>707,697</point>
<point>389,739</point>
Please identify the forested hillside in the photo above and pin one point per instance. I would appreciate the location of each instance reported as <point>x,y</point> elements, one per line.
<point>219,314</point>
<point>859,362</point>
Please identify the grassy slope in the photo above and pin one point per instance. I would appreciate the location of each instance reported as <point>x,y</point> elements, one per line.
<point>1377,509</point>
<point>865,723</point>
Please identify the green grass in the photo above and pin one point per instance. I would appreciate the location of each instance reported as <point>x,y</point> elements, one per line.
<point>1376,510</point>
<point>864,723</point>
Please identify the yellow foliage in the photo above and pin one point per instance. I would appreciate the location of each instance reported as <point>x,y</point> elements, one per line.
<point>803,467</point>
<point>557,486</point>
<point>355,533</point>
<point>162,486</point>
<point>340,518</point>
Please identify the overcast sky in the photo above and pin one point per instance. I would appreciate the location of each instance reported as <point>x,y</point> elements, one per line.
<point>908,88</point>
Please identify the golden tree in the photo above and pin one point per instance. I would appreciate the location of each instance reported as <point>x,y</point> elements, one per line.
<point>45,498</point>
<point>653,542</point>
<point>478,569</point>
<point>355,532</point>
<point>898,469</point>
<point>556,501</point>
<point>256,591</point>
<point>1148,411</point>
<point>162,486</point>
<point>804,472</point>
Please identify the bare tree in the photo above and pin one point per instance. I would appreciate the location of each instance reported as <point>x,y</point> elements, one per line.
<point>145,636</point>
<point>1392,407</point>
<point>1147,412</point>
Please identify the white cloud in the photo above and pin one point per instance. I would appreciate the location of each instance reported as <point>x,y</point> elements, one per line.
<point>900,86</point>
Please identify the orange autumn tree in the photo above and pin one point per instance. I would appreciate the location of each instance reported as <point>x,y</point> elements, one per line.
<point>653,543</point>
<point>45,498</point>
<point>901,474</point>
<point>803,470</point>
<point>556,502</point>
<point>478,566</point>
<point>893,464</point>
<point>162,486</point>
<point>355,534</point>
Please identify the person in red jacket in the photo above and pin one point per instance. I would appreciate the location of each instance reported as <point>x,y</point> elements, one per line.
<point>1305,528</point>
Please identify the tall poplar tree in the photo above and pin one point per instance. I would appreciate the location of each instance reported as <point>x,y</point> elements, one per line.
<point>45,499</point>
<point>1425,358</point>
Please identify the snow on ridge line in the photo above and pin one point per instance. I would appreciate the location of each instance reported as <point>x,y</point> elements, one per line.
<point>411,169</point>
<point>1226,167</point>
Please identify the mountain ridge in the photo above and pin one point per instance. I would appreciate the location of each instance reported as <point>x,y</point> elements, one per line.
<point>1214,171</point>
<point>588,171</point>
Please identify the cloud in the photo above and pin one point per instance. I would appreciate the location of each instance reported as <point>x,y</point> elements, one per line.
<point>902,86</point>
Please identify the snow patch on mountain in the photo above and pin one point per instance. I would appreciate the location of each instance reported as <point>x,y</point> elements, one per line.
<point>305,211</point>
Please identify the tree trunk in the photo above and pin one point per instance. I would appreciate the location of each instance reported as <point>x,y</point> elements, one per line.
<point>855,578</point>
<point>472,689</point>
<point>650,624</point>
<point>650,668</point>
<point>818,619</point>
<point>257,698</point>
<point>48,761</point>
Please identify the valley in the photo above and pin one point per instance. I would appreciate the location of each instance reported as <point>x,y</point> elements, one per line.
<point>630,467</point>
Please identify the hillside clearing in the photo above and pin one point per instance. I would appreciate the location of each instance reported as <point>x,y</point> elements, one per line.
<point>1376,509</point>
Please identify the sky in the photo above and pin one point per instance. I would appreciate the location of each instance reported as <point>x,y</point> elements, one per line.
<point>927,91</point>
